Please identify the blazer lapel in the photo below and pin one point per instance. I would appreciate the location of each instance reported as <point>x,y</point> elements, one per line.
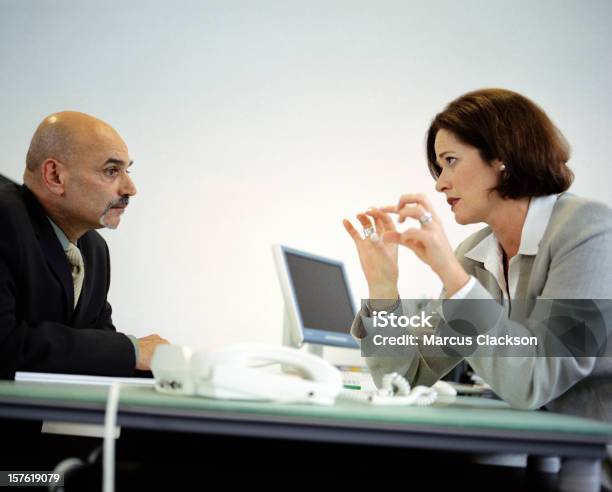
<point>51,248</point>
<point>524,276</point>
<point>524,305</point>
<point>488,281</point>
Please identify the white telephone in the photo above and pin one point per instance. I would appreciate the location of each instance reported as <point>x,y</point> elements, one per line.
<point>232,373</point>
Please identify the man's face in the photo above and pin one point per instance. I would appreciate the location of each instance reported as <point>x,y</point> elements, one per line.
<point>98,187</point>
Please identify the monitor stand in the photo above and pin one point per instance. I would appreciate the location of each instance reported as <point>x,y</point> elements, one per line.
<point>314,349</point>
<point>292,339</point>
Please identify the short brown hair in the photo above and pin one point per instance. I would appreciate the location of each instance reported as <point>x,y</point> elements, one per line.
<point>507,126</point>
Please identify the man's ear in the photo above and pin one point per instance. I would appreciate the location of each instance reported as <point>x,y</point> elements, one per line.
<point>53,175</point>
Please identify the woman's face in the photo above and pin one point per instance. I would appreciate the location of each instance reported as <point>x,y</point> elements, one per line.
<point>465,179</point>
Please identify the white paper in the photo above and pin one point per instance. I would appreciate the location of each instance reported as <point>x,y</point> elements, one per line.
<point>43,377</point>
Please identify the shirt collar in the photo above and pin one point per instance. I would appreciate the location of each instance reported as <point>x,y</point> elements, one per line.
<point>538,215</point>
<point>60,235</point>
<point>489,253</point>
<point>540,209</point>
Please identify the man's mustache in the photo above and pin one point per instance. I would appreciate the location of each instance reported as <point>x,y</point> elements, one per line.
<point>121,202</point>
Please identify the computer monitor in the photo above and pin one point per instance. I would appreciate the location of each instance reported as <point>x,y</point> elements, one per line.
<point>319,308</point>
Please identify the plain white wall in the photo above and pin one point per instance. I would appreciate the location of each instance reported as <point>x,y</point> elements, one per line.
<point>253,123</point>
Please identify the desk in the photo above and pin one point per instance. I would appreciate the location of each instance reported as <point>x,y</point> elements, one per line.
<point>453,423</point>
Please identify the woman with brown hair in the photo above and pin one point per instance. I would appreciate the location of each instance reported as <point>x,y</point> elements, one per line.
<point>500,160</point>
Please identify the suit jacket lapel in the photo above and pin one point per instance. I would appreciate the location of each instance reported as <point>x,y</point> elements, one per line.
<point>51,248</point>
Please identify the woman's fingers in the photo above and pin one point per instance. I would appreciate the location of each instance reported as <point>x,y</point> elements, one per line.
<point>354,233</point>
<point>414,211</point>
<point>419,198</point>
<point>409,235</point>
<point>392,237</point>
<point>351,230</point>
<point>364,220</point>
<point>380,228</point>
<point>416,198</point>
<point>385,219</point>
<point>414,235</point>
<point>378,223</point>
<point>410,205</point>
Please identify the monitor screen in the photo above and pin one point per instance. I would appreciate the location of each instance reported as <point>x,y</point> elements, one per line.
<point>319,307</point>
<point>321,292</point>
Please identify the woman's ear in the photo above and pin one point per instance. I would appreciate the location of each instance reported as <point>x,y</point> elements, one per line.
<point>498,165</point>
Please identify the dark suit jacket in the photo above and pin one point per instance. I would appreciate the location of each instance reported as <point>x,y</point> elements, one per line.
<point>4,180</point>
<point>39,329</point>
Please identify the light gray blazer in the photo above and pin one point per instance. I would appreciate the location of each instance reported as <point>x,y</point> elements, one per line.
<point>574,261</point>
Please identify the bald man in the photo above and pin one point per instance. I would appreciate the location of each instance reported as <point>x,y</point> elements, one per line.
<point>54,266</point>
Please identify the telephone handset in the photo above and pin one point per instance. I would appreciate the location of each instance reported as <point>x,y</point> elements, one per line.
<point>235,373</point>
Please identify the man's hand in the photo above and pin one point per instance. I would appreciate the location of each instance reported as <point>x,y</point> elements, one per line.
<point>147,346</point>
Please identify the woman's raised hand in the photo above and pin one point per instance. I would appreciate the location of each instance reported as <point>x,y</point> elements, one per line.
<point>429,241</point>
<point>378,259</point>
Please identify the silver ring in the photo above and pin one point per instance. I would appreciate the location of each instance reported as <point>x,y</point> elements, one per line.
<point>426,218</point>
<point>368,231</point>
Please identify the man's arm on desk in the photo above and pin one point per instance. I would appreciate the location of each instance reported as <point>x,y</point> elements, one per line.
<point>144,347</point>
<point>47,346</point>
